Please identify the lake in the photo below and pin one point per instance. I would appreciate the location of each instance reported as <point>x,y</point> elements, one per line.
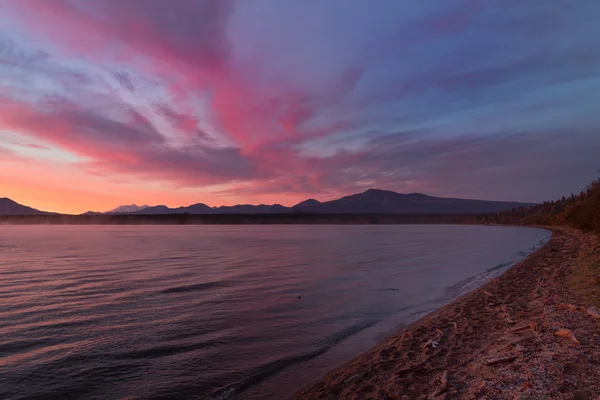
<point>221,312</point>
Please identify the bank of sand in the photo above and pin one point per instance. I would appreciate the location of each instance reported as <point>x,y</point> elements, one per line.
<point>524,335</point>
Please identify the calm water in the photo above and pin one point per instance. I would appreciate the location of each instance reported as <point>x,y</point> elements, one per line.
<point>242,312</point>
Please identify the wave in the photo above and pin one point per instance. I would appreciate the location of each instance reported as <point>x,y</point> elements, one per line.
<point>476,281</point>
<point>164,351</point>
<point>273,367</point>
<point>121,325</point>
<point>26,345</point>
<point>196,287</point>
<point>500,266</point>
<point>472,283</point>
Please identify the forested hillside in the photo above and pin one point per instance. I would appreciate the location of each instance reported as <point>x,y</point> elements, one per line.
<point>579,210</point>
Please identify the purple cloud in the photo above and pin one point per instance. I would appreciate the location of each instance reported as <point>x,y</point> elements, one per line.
<point>491,100</point>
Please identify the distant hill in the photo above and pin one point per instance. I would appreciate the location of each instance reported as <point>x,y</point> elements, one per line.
<point>204,209</point>
<point>10,207</point>
<point>310,205</point>
<point>127,209</point>
<point>372,201</point>
<point>198,208</point>
<point>156,210</point>
<point>91,213</point>
<point>251,209</point>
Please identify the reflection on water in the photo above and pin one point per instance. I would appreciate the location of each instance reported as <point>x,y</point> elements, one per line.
<point>219,311</point>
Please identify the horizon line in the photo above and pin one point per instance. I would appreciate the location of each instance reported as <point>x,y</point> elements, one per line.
<point>269,205</point>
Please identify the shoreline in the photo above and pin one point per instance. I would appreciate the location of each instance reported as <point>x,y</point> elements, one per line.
<point>496,342</point>
<point>247,219</point>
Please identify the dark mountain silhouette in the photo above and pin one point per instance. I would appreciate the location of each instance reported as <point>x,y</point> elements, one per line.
<point>91,213</point>
<point>9,207</point>
<point>374,201</point>
<point>204,209</point>
<point>127,209</point>
<point>310,205</point>
<point>198,208</point>
<point>156,210</point>
<point>251,209</point>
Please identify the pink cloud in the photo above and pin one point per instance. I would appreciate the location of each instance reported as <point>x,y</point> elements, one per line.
<point>186,46</point>
<point>131,145</point>
<point>8,155</point>
<point>36,146</point>
<point>259,125</point>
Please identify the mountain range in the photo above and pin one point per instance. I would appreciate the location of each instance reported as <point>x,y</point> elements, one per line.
<point>127,209</point>
<point>9,207</point>
<point>372,201</point>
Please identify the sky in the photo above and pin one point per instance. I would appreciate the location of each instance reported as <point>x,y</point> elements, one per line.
<point>110,102</point>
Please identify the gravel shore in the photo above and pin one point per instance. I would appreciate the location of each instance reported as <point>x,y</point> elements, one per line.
<point>524,335</point>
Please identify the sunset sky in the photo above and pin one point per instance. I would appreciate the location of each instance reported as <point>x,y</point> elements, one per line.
<point>110,102</point>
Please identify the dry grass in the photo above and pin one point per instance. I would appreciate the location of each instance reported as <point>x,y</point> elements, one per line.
<point>585,278</point>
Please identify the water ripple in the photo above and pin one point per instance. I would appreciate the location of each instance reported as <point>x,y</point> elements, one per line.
<point>219,312</point>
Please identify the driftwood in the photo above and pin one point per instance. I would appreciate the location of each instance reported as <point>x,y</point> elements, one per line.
<point>431,343</point>
<point>594,312</point>
<point>568,306</point>
<point>522,340</point>
<point>520,328</point>
<point>535,328</point>
<point>354,378</point>
<point>442,388</point>
<point>567,334</point>
<point>500,360</point>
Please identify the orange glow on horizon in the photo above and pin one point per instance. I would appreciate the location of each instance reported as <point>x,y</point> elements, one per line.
<point>69,190</point>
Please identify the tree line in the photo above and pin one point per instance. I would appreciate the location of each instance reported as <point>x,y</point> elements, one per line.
<point>578,210</point>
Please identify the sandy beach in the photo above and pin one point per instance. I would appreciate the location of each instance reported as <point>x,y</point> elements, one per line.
<point>529,334</point>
